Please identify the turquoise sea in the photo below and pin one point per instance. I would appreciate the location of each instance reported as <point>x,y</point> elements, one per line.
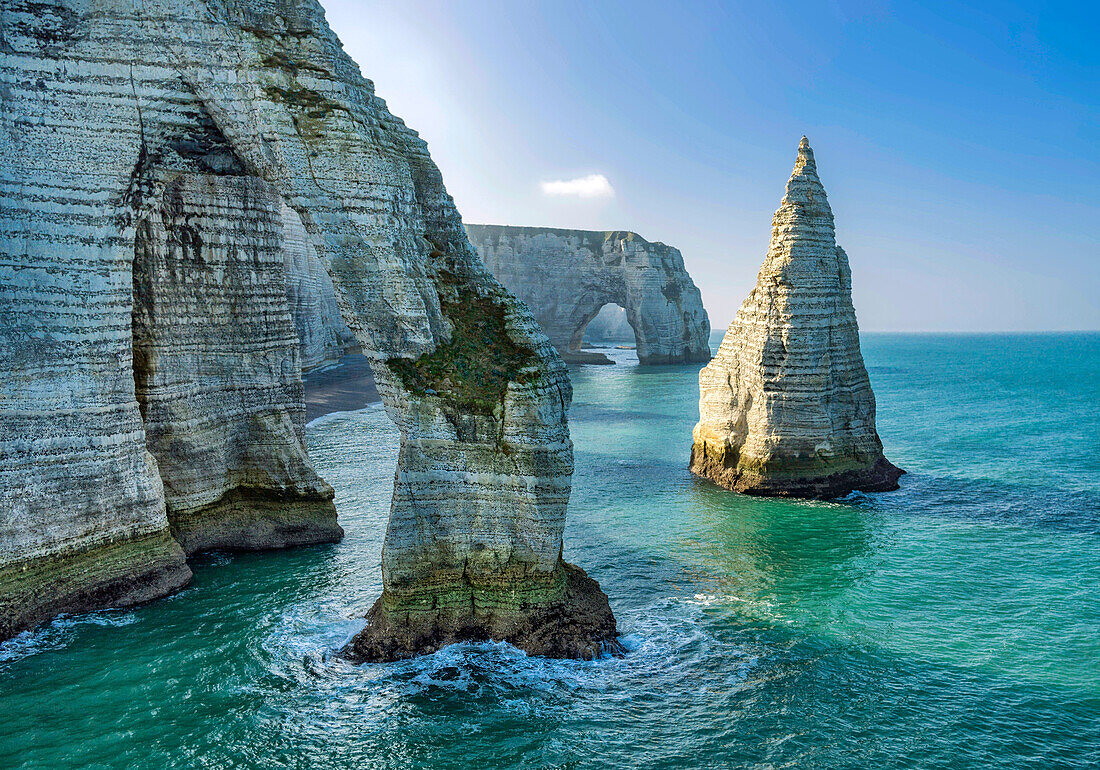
<point>952,624</point>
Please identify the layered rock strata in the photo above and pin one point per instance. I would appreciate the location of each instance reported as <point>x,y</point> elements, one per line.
<point>216,368</point>
<point>322,333</point>
<point>566,276</point>
<point>109,108</point>
<point>786,407</point>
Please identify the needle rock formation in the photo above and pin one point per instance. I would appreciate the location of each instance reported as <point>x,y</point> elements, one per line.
<point>785,407</point>
<point>160,165</point>
<point>566,276</point>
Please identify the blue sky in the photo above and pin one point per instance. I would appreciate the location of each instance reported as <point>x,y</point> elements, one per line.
<point>958,144</point>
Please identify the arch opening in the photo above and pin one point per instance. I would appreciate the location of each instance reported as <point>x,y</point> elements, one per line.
<point>609,326</point>
<point>587,310</point>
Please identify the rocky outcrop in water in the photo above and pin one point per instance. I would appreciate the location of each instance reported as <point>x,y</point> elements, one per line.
<point>786,407</point>
<point>138,143</point>
<point>566,276</point>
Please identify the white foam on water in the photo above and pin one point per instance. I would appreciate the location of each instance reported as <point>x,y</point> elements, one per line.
<point>59,633</point>
<point>664,640</point>
<point>324,419</point>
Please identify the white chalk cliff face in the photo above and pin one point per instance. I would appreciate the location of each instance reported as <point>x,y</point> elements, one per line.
<point>137,141</point>
<point>322,333</point>
<point>216,368</point>
<point>786,407</point>
<point>566,276</point>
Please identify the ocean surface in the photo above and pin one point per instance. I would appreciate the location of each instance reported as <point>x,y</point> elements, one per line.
<point>952,624</point>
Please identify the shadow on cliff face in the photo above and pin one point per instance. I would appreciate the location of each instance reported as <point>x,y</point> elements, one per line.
<point>217,370</point>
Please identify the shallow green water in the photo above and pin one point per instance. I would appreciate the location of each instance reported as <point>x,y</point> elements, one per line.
<point>954,623</point>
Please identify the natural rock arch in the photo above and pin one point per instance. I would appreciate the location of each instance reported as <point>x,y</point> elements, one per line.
<point>610,324</point>
<point>108,105</point>
<point>566,276</point>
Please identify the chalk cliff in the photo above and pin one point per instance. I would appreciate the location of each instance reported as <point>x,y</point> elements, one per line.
<point>566,276</point>
<point>216,368</point>
<point>786,407</point>
<point>322,333</point>
<point>134,135</point>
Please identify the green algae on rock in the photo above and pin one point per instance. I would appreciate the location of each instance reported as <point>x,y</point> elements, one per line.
<point>261,519</point>
<point>568,617</point>
<point>114,574</point>
<point>785,406</point>
<point>161,162</point>
<point>471,370</point>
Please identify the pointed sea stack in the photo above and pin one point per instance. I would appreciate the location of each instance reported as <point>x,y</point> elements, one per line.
<point>786,407</point>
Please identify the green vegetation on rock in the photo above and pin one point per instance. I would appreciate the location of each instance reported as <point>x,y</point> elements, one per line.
<point>471,371</point>
<point>113,574</point>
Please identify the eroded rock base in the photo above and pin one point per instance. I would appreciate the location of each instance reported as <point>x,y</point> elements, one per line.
<point>577,624</point>
<point>118,574</point>
<point>256,520</point>
<point>812,479</point>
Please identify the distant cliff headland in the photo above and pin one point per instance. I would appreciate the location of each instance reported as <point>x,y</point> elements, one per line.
<point>566,276</point>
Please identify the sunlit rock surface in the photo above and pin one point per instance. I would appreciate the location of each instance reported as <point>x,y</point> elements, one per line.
<point>106,107</point>
<point>785,407</point>
<point>566,276</point>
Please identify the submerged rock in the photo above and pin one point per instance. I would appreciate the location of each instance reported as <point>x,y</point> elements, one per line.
<point>152,147</point>
<point>786,407</point>
<point>566,276</point>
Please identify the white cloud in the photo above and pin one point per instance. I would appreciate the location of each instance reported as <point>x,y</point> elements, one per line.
<point>591,186</point>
